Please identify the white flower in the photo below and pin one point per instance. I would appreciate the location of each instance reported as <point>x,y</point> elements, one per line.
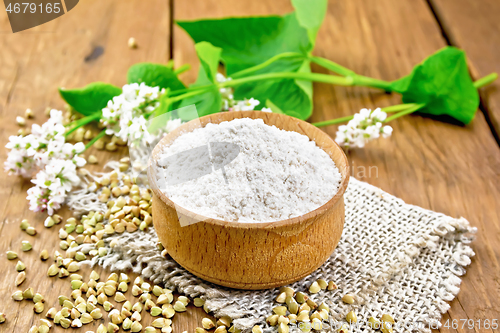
<point>246,105</point>
<point>228,101</point>
<point>52,185</point>
<point>221,78</point>
<point>52,130</point>
<point>38,199</point>
<point>134,129</point>
<point>56,116</point>
<point>47,149</point>
<point>60,150</point>
<point>18,162</point>
<point>125,115</point>
<point>43,199</point>
<point>78,161</point>
<point>386,131</point>
<point>16,142</point>
<point>364,127</point>
<point>226,93</point>
<point>379,115</point>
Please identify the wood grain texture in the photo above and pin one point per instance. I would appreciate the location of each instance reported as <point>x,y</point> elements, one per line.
<point>433,164</point>
<point>428,162</point>
<point>250,255</point>
<point>473,26</point>
<point>87,44</point>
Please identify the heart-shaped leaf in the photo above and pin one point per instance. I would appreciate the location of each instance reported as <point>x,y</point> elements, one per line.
<point>441,82</point>
<point>249,41</point>
<point>154,75</point>
<point>91,98</point>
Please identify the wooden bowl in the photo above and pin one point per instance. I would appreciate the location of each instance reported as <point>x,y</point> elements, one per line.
<point>251,255</point>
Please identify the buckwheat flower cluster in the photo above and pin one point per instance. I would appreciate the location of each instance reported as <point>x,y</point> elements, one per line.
<point>225,92</point>
<point>245,105</point>
<point>19,162</point>
<point>46,150</point>
<point>52,185</point>
<point>125,116</point>
<point>228,101</point>
<point>367,125</point>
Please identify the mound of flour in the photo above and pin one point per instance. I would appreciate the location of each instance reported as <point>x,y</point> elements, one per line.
<point>276,174</point>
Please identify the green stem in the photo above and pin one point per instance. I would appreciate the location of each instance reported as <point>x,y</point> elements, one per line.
<point>183,91</point>
<point>404,113</point>
<point>97,137</point>
<point>84,119</point>
<point>170,64</point>
<point>357,80</point>
<point>81,122</point>
<point>182,69</point>
<point>332,66</point>
<point>360,80</point>
<point>266,63</point>
<point>325,78</point>
<point>387,109</point>
<point>485,80</point>
<point>332,121</point>
<point>186,95</point>
<point>408,108</point>
<point>398,107</point>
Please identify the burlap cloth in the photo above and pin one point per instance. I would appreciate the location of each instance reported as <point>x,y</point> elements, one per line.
<point>394,257</point>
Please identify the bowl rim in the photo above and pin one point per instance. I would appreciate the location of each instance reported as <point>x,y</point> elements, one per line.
<point>345,174</point>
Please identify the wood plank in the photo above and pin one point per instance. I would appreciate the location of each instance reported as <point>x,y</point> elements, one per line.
<point>85,45</point>
<point>436,165</point>
<point>432,164</point>
<point>473,26</point>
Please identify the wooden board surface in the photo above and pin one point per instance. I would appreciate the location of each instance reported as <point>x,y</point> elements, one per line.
<point>473,26</point>
<point>87,44</point>
<point>436,165</point>
<point>432,164</point>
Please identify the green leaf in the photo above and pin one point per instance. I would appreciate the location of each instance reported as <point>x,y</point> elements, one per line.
<point>292,97</point>
<point>209,57</point>
<point>310,14</point>
<point>91,98</point>
<point>441,82</point>
<point>208,102</point>
<point>274,107</point>
<point>249,41</point>
<point>154,75</point>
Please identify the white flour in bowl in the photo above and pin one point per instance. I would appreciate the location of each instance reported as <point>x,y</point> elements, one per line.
<point>268,174</point>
